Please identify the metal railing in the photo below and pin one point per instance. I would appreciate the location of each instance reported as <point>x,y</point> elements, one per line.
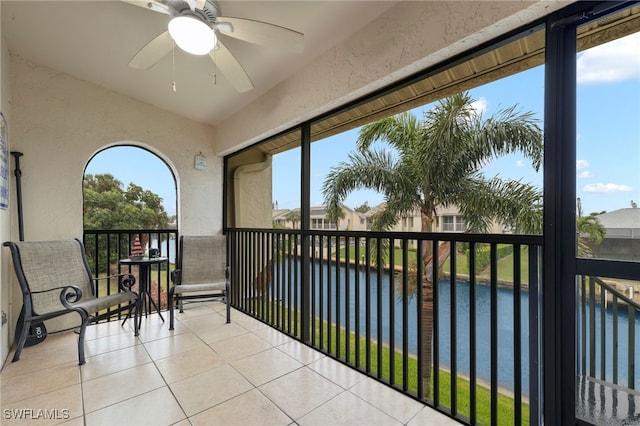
<point>467,345</point>
<point>607,330</point>
<point>104,248</point>
<point>328,290</point>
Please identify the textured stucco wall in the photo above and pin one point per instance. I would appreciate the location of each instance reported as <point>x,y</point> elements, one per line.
<point>249,195</point>
<point>409,37</point>
<point>5,215</point>
<point>59,122</point>
<point>253,195</point>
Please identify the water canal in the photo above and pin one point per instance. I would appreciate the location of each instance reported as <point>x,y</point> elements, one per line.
<point>505,321</point>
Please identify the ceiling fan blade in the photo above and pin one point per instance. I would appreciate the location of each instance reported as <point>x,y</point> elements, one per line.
<point>231,68</point>
<point>150,54</point>
<point>262,33</point>
<point>139,3</point>
<point>156,6</point>
<point>196,4</point>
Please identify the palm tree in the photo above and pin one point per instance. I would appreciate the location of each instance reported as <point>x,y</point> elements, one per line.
<point>438,162</point>
<point>334,215</point>
<point>590,232</point>
<point>294,217</point>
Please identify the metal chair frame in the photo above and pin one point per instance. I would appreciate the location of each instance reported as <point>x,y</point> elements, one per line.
<point>55,280</point>
<point>201,274</point>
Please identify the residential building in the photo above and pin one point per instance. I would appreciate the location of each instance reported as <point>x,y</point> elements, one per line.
<point>622,238</point>
<point>319,221</point>
<point>448,219</point>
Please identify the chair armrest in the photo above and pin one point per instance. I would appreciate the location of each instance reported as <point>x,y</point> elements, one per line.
<point>70,293</point>
<point>125,281</point>
<point>176,276</point>
<point>54,289</point>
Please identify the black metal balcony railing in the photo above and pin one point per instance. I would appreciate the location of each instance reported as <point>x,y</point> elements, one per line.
<point>105,248</point>
<point>607,330</point>
<point>351,296</point>
<point>606,323</point>
<point>370,314</point>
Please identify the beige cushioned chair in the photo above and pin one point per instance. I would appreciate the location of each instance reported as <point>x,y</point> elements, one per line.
<point>55,280</point>
<point>201,274</point>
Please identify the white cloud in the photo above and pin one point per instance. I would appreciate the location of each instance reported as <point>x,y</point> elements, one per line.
<point>606,188</point>
<point>586,175</point>
<point>581,164</point>
<point>480,106</point>
<point>615,61</point>
<point>519,163</point>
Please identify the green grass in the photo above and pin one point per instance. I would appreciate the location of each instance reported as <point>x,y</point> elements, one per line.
<point>505,264</point>
<point>483,394</point>
<point>156,276</point>
<point>505,411</point>
<point>505,267</point>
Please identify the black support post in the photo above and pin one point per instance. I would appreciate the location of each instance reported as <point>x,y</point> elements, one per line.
<point>305,223</point>
<point>558,294</point>
<point>18,174</point>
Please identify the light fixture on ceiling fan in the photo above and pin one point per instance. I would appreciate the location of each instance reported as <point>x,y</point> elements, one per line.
<point>198,27</point>
<point>192,35</point>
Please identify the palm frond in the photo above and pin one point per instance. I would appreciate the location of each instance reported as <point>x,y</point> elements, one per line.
<point>438,161</point>
<point>507,131</point>
<point>399,131</point>
<point>370,170</point>
<point>590,228</point>
<point>513,203</point>
<point>384,220</point>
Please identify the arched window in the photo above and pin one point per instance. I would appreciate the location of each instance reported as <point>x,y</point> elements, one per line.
<point>128,192</point>
<point>142,179</point>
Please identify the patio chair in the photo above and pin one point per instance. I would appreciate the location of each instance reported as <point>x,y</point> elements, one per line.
<point>55,280</point>
<point>201,274</point>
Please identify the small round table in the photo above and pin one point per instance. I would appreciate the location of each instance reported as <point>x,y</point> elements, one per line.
<point>144,271</point>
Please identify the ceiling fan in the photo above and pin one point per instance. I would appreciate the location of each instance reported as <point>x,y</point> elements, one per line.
<point>196,26</point>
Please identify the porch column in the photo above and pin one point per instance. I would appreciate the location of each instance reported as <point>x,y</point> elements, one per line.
<point>558,287</point>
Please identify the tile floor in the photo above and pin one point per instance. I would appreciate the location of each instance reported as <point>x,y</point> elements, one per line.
<point>205,372</point>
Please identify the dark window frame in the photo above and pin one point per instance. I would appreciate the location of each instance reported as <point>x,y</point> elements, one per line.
<point>560,261</point>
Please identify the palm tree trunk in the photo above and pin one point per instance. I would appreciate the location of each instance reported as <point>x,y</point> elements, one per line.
<point>427,306</point>
<point>428,278</point>
<point>427,333</point>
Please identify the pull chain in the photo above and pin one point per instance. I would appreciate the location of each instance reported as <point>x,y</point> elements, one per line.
<point>214,78</point>
<point>173,65</point>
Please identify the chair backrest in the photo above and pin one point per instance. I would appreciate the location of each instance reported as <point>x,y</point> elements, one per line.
<point>42,265</point>
<point>202,259</point>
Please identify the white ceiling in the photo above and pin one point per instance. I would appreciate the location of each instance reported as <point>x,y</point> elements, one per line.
<point>95,40</point>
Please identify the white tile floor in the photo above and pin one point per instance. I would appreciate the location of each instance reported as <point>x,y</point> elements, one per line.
<point>205,372</point>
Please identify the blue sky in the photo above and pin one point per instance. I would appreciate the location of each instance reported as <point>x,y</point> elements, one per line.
<point>130,164</point>
<point>608,138</point>
<point>608,133</point>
